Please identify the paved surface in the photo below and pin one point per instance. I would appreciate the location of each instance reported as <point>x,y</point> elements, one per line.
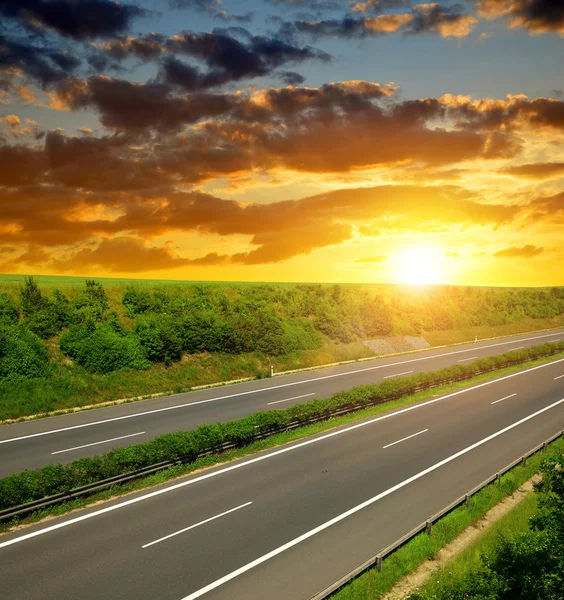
<point>69,437</point>
<point>287,522</point>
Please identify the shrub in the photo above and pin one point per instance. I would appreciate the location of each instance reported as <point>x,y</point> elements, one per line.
<point>160,337</point>
<point>9,313</point>
<point>22,354</point>
<point>92,299</point>
<point>102,350</point>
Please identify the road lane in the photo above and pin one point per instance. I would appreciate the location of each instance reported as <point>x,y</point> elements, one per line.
<point>32,444</point>
<point>294,490</point>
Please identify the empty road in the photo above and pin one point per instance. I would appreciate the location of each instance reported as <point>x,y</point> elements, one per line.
<point>66,438</point>
<point>285,523</point>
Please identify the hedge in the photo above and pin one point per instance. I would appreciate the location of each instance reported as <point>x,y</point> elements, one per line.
<point>31,485</point>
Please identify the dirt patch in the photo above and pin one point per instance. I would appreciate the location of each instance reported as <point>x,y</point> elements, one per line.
<point>410,583</point>
<point>397,344</point>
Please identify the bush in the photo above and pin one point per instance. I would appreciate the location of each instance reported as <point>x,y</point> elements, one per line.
<point>92,300</point>
<point>22,354</point>
<point>102,350</point>
<point>160,337</point>
<point>9,313</point>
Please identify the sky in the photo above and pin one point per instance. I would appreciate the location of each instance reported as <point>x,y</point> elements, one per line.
<point>284,140</point>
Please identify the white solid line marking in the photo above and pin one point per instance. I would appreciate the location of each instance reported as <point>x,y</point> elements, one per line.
<point>559,377</point>
<point>465,359</point>
<point>288,399</point>
<point>196,525</point>
<point>359,507</point>
<point>405,438</point>
<point>397,374</point>
<point>262,457</point>
<point>96,443</point>
<point>274,387</point>
<point>519,348</point>
<point>556,340</point>
<point>506,397</point>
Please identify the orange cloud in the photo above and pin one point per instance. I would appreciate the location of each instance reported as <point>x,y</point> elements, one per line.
<point>528,251</point>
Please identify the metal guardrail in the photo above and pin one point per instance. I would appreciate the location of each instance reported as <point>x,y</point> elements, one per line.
<point>427,525</point>
<point>29,507</point>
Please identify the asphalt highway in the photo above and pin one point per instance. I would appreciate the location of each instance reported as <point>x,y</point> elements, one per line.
<point>285,523</point>
<point>66,438</point>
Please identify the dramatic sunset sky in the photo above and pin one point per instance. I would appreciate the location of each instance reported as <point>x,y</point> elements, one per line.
<point>283,140</point>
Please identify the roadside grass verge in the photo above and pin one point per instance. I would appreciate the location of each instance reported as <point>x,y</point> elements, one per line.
<point>270,442</point>
<point>71,386</point>
<point>513,523</point>
<point>372,584</point>
<point>461,335</point>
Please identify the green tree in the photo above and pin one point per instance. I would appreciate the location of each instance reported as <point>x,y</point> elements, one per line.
<point>31,298</point>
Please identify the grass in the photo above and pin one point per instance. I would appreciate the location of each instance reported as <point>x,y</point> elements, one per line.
<point>372,584</point>
<point>71,386</point>
<point>461,335</point>
<point>271,442</point>
<point>515,522</point>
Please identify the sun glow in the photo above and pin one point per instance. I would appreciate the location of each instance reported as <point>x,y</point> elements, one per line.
<point>418,266</point>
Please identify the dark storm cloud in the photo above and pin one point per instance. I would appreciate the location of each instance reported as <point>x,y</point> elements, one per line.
<point>139,107</point>
<point>537,16</point>
<point>309,4</point>
<point>38,63</point>
<point>291,78</point>
<point>78,19</point>
<point>229,54</point>
<point>211,7</point>
<point>229,59</point>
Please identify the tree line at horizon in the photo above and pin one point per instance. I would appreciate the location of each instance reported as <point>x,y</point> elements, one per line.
<point>160,324</point>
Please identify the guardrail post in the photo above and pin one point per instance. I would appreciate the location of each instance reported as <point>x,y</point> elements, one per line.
<point>498,478</point>
<point>429,527</point>
<point>524,461</point>
<point>545,447</point>
<point>379,563</point>
<point>468,499</point>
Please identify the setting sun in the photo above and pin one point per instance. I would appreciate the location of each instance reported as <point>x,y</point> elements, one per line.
<point>418,266</point>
